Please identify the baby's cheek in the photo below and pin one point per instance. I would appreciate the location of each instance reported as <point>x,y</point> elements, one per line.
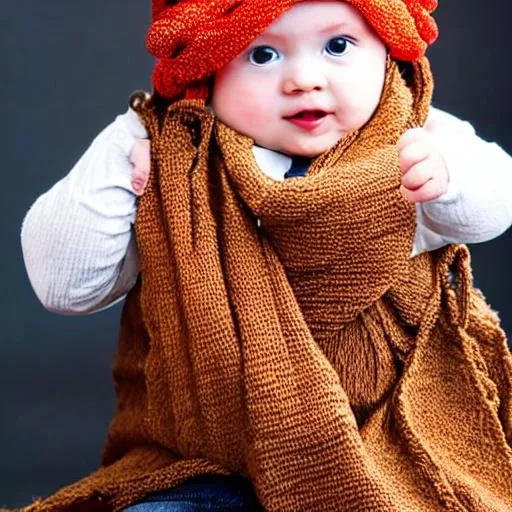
<point>254,115</point>
<point>243,99</point>
<point>359,95</point>
<point>361,108</point>
<point>251,118</point>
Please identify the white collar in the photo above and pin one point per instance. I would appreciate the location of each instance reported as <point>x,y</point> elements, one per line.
<point>272,163</point>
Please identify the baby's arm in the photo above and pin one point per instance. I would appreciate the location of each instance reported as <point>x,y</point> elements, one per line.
<point>475,204</point>
<point>77,238</point>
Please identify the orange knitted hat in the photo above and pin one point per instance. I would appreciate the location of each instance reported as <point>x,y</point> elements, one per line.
<point>192,39</point>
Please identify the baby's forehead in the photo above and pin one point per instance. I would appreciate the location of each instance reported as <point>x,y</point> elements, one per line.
<point>321,14</point>
<point>314,22</point>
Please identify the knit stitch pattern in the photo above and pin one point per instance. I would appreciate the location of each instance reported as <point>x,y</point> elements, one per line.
<point>192,39</point>
<point>280,330</point>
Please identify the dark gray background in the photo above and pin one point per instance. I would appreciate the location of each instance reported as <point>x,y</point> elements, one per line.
<point>68,69</point>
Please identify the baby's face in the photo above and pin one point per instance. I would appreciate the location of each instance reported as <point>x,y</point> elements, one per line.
<point>314,76</point>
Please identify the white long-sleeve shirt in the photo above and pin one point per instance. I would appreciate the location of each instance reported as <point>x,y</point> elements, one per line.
<point>78,241</point>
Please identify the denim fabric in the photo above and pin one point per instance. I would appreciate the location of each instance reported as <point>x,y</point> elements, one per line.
<point>213,493</point>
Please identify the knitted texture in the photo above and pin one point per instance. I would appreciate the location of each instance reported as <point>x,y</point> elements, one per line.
<point>281,330</point>
<point>192,39</point>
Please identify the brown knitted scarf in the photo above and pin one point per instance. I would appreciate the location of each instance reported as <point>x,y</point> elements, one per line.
<point>281,330</point>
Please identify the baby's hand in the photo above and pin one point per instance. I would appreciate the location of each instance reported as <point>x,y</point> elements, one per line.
<point>141,160</point>
<point>424,171</point>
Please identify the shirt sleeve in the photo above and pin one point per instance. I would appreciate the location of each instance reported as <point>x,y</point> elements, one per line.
<point>478,203</point>
<point>77,238</point>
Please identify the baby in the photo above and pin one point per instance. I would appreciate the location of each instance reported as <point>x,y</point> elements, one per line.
<point>83,258</point>
<point>316,82</point>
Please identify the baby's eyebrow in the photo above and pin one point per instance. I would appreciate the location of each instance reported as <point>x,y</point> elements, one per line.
<point>329,29</point>
<point>335,27</point>
<point>268,34</point>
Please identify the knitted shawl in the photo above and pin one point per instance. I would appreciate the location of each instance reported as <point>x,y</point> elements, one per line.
<point>282,331</point>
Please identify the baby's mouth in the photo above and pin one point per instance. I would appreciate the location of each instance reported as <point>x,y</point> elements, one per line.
<point>308,120</point>
<point>308,115</point>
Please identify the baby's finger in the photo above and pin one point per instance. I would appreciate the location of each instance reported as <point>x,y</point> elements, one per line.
<point>431,190</point>
<point>139,180</point>
<point>138,187</point>
<point>142,171</point>
<point>411,136</point>
<point>418,175</point>
<point>140,155</point>
<point>412,154</point>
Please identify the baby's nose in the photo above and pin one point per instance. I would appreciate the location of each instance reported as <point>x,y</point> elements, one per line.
<point>304,77</point>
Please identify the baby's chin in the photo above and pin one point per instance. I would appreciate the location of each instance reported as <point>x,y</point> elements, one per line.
<point>308,150</point>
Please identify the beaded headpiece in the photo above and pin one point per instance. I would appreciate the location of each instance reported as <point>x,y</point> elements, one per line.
<point>192,39</point>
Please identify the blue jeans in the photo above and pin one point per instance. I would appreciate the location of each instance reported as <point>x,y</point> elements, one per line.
<point>213,493</point>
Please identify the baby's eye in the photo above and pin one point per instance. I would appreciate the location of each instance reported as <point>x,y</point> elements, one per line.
<point>337,46</point>
<point>261,55</point>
